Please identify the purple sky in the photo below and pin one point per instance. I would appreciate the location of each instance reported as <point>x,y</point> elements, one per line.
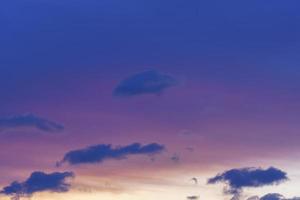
<point>215,82</point>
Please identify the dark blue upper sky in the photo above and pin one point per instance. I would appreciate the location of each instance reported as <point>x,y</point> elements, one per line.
<point>49,34</point>
<point>222,40</point>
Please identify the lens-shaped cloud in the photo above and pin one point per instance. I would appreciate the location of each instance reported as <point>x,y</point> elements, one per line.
<point>148,82</point>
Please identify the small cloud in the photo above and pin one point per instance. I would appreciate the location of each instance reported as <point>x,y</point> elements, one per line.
<point>148,82</point>
<point>195,180</point>
<point>237,179</point>
<point>29,120</point>
<point>100,153</point>
<point>189,135</point>
<point>193,197</point>
<point>185,133</point>
<point>175,158</point>
<point>190,149</point>
<point>38,182</point>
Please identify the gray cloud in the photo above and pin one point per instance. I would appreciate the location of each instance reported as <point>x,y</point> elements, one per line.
<point>193,197</point>
<point>29,120</point>
<point>195,180</point>
<point>253,198</point>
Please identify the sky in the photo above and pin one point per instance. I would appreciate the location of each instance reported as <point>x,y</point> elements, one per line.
<point>143,100</point>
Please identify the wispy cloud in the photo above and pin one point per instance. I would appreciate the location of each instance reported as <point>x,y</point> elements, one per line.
<point>148,82</point>
<point>29,120</point>
<point>38,182</point>
<point>100,153</point>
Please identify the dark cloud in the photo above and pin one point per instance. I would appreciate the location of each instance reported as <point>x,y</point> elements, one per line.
<point>273,196</point>
<point>148,82</point>
<point>192,197</point>
<point>38,182</point>
<point>237,179</point>
<point>29,120</point>
<point>102,152</point>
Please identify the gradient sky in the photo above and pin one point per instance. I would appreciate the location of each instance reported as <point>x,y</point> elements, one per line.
<point>235,101</point>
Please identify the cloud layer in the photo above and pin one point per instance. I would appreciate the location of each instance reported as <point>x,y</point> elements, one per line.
<point>148,82</point>
<point>30,120</point>
<point>100,153</point>
<point>237,179</point>
<point>39,182</point>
